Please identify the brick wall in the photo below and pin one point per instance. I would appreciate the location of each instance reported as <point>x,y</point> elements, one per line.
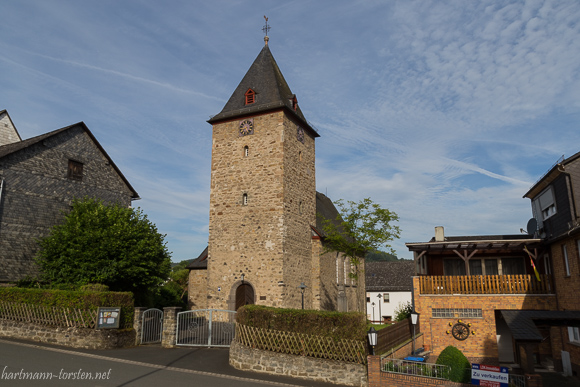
<point>37,190</point>
<point>483,342</point>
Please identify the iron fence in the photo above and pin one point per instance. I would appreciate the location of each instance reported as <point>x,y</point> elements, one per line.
<point>428,370</point>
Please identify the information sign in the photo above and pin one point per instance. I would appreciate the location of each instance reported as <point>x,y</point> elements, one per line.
<point>489,376</point>
<point>108,318</point>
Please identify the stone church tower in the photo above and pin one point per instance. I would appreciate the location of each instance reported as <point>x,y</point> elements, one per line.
<point>263,239</point>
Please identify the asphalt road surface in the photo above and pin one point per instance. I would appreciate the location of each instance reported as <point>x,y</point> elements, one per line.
<point>31,364</point>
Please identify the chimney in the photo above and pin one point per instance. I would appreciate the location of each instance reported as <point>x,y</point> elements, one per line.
<point>439,234</point>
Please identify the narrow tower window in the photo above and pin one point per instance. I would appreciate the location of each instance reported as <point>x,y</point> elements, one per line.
<point>246,151</point>
<point>250,96</point>
<point>245,199</point>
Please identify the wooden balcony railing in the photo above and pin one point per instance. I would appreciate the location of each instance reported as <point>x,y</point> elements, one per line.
<point>487,284</point>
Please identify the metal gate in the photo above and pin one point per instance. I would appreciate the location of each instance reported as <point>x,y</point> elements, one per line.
<point>152,326</point>
<point>206,327</point>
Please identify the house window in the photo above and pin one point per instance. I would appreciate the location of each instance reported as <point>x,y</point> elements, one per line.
<point>246,151</point>
<point>456,313</point>
<point>368,299</point>
<point>300,208</point>
<point>250,96</point>
<point>386,298</point>
<point>547,266</point>
<point>245,199</point>
<point>544,205</point>
<point>75,170</point>
<point>454,266</point>
<point>565,256</point>
<point>574,334</point>
<point>511,266</point>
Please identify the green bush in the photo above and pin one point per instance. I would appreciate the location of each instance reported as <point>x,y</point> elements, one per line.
<point>456,360</point>
<point>350,326</point>
<point>90,300</point>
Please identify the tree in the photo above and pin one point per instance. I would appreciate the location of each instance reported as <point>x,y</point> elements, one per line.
<point>174,291</point>
<point>360,228</point>
<point>403,311</point>
<point>106,244</point>
<point>380,256</point>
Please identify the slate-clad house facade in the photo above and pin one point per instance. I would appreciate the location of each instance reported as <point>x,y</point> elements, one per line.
<point>555,202</point>
<point>264,204</point>
<point>39,178</point>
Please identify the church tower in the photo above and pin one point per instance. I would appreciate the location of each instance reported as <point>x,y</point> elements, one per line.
<point>263,194</point>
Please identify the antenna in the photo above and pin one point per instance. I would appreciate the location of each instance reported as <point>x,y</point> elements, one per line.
<point>265,29</point>
<point>532,226</point>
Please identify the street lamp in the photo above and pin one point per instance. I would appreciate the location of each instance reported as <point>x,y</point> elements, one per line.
<point>373,305</point>
<point>302,287</point>
<point>380,315</point>
<point>373,337</point>
<point>242,278</point>
<point>414,321</point>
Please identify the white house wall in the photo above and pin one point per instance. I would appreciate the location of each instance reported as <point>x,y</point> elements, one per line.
<point>387,309</point>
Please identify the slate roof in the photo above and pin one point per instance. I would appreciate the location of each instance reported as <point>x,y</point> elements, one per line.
<point>389,276</point>
<point>325,207</point>
<point>8,149</point>
<point>200,262</point>
<point>272,93</point>
<point>523,323</point>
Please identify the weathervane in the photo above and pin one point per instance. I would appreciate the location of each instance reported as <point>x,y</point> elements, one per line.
<point>266,28</point>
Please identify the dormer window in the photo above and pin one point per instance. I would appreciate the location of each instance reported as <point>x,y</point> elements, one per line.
<point>294,101</point>
<point>250,96</point>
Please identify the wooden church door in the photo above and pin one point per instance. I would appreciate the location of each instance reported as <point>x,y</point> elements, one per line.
<point>244,295</point>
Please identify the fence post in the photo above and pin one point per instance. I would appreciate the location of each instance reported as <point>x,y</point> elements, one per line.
<point>138,323</point>
<point>169,326</point>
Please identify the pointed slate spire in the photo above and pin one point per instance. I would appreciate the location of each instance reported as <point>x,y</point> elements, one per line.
<point>272,92</point>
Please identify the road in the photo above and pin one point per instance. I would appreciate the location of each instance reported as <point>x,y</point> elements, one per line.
<point>30,364</point>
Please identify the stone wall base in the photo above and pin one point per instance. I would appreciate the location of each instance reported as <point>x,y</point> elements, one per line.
<point>70,337</point>
<point>319,370</point>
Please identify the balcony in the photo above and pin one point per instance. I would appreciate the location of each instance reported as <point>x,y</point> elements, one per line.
<point>487,284</point>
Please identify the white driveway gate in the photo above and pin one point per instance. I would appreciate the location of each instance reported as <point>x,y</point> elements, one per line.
<point>206,327</point>
<point>152,326</point>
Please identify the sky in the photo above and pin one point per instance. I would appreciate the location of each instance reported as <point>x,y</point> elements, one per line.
<point>445,112</point>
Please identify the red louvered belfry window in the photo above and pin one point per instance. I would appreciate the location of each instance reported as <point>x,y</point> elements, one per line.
<point>250,96</point>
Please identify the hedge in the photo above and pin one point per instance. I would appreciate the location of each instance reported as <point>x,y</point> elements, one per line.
<point>74,299</point>
<point>338,325</point>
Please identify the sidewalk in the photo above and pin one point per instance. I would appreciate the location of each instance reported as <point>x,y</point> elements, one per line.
<point>200,359</point>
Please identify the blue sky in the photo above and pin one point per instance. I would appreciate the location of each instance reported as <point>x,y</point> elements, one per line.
<point>445,112</point>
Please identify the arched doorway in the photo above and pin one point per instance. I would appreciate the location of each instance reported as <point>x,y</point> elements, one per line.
<point>244,295</point>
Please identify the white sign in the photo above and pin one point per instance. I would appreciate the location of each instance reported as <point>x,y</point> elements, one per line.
<point>492,376</point>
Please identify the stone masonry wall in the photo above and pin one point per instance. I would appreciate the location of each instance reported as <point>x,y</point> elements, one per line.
<point>70,337</point>
<point>483,343</point>
<point>319,370</point>
<point>197,289</point>
<point>267,240</point>
<point>37,191</point>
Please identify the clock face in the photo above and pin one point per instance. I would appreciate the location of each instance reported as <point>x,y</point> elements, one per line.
<point>246,127</point>
<point>300,134</point>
